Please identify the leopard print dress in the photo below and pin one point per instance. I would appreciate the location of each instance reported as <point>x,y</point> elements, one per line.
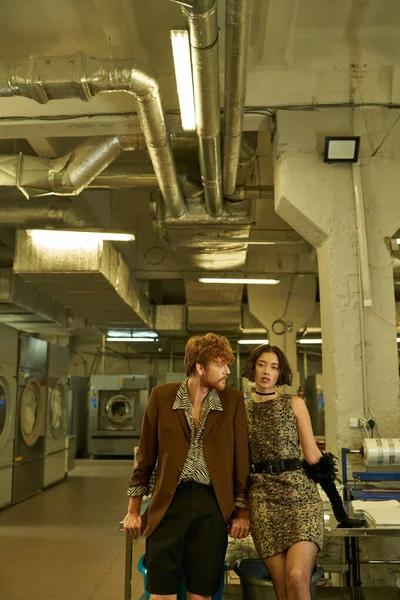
<point>286,508</point>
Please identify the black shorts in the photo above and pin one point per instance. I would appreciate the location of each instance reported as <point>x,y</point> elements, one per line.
<point>191,540</point>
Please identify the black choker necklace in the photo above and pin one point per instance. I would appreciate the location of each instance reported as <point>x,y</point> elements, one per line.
<point>269,394</point>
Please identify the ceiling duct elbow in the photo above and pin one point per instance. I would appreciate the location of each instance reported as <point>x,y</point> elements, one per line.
<point>80,76</point>
<point>74,172</point>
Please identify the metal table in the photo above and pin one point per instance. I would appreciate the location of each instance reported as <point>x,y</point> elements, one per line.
<point>352,538</point>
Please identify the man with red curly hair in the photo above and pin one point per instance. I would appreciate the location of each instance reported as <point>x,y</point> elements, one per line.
<point>196,433</point>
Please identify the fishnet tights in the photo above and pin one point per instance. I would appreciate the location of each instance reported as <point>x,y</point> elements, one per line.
<point>291,571</point>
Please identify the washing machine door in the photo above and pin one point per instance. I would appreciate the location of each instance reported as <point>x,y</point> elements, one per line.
<point>119,410</point>
<point>31,412</point>
<point>5,412</point>
<point>58,410</point>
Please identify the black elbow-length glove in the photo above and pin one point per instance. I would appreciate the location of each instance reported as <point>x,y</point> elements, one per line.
<point>324,473</point>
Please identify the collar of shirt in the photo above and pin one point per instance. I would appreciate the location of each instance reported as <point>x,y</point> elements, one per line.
<point>182,400</point>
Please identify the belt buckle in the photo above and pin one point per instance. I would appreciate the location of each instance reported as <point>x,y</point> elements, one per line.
<point>271,470</point>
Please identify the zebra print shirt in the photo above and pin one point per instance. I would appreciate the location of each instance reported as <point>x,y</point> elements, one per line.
<point>195,467</point>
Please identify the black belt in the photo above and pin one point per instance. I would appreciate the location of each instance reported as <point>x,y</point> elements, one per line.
<point>276,467</point>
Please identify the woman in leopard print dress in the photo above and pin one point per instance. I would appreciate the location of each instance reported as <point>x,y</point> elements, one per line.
<point>286,512</point>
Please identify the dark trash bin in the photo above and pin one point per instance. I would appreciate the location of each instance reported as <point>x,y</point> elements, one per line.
<point>256,580</point>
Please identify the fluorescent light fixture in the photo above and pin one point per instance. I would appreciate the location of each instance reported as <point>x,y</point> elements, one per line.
<point>238,280</point>
<point>319,340</point>
<point>183,76</point>
<point>131,339</point>
<point>341,149</point>
<point>127,333</point>
<point>253,342</point>
<point>398,241</point>
<point>70,240</point>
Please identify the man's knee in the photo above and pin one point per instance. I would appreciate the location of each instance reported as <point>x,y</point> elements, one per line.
<point>197,597</point>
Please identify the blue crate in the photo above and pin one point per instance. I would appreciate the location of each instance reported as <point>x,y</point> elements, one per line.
<point>142,568</point>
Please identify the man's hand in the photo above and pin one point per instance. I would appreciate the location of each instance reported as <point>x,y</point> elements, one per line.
<point>133,524</point>
<point>239,526</point>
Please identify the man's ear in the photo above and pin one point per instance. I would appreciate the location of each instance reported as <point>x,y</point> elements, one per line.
<point>200,369</point>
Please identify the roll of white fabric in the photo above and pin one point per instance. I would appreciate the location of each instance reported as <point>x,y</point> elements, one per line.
<point>379,452</point>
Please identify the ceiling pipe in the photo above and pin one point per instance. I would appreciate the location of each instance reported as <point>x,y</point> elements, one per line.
<point>237,36</point>
<point>203,34</point>
<point>81,76</point>
<point>70,174</point>
<point>27,215</point>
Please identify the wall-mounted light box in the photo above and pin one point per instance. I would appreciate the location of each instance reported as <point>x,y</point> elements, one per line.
<point>341,149</point>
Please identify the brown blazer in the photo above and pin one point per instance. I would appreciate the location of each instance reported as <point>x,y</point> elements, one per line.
<point>166,436</point>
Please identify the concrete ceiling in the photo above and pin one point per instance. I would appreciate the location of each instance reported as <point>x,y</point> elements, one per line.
<point>302,52</point>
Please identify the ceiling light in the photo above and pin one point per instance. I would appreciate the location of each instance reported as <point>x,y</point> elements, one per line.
<point>131,339</point>
<point>341,149</point>
<point>238,280</point>
<point>310,341</point>
<point>253,342</point>
<point>398,339</point>
<point>398,241</point>
<point>69,240</point>
<point>128,334</point>
<point>183,76</point>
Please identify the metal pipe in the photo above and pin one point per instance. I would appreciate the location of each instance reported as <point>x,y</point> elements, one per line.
<point>72,173</point>
<point>35,176</point>
<point>33,215</point>
<point>237,36</point>
<point>203,33</point>
<point>81,76</point>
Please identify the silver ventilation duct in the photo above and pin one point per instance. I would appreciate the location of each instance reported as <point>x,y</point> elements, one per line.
<point>203,33</point>
<point>213,307</point>
<point>193,249</point>
<point>81,76</point>
<point>222,315</point>
<point>93,281</point>
<point>26,215</point>
<point>68,175</point>
<point>237,36</point>
<point>23,306</point>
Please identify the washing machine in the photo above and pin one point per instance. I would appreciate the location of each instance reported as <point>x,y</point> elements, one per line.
<point>8,400</point>
<point>56,415</point>
<point>29,443</point>
<point>116,408</point>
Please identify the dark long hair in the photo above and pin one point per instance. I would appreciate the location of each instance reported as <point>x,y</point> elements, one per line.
<point>285,372</point>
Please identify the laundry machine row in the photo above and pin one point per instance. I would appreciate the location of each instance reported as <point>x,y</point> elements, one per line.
<point>116,407</point>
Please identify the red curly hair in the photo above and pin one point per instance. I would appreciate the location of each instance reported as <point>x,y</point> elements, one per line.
<point>203,349</point>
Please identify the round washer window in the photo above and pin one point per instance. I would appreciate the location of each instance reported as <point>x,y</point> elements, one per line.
<point>31,412</point>
<point>58,411</point>
<point>118,409</point>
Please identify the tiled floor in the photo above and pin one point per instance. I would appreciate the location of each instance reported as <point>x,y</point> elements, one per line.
<point>64,543</point>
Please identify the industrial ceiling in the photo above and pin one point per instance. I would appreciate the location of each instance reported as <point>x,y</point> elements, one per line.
<point>73,155</point>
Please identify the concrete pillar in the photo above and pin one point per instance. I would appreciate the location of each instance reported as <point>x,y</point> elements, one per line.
<point>283,309</point>
<point>317,200</point>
